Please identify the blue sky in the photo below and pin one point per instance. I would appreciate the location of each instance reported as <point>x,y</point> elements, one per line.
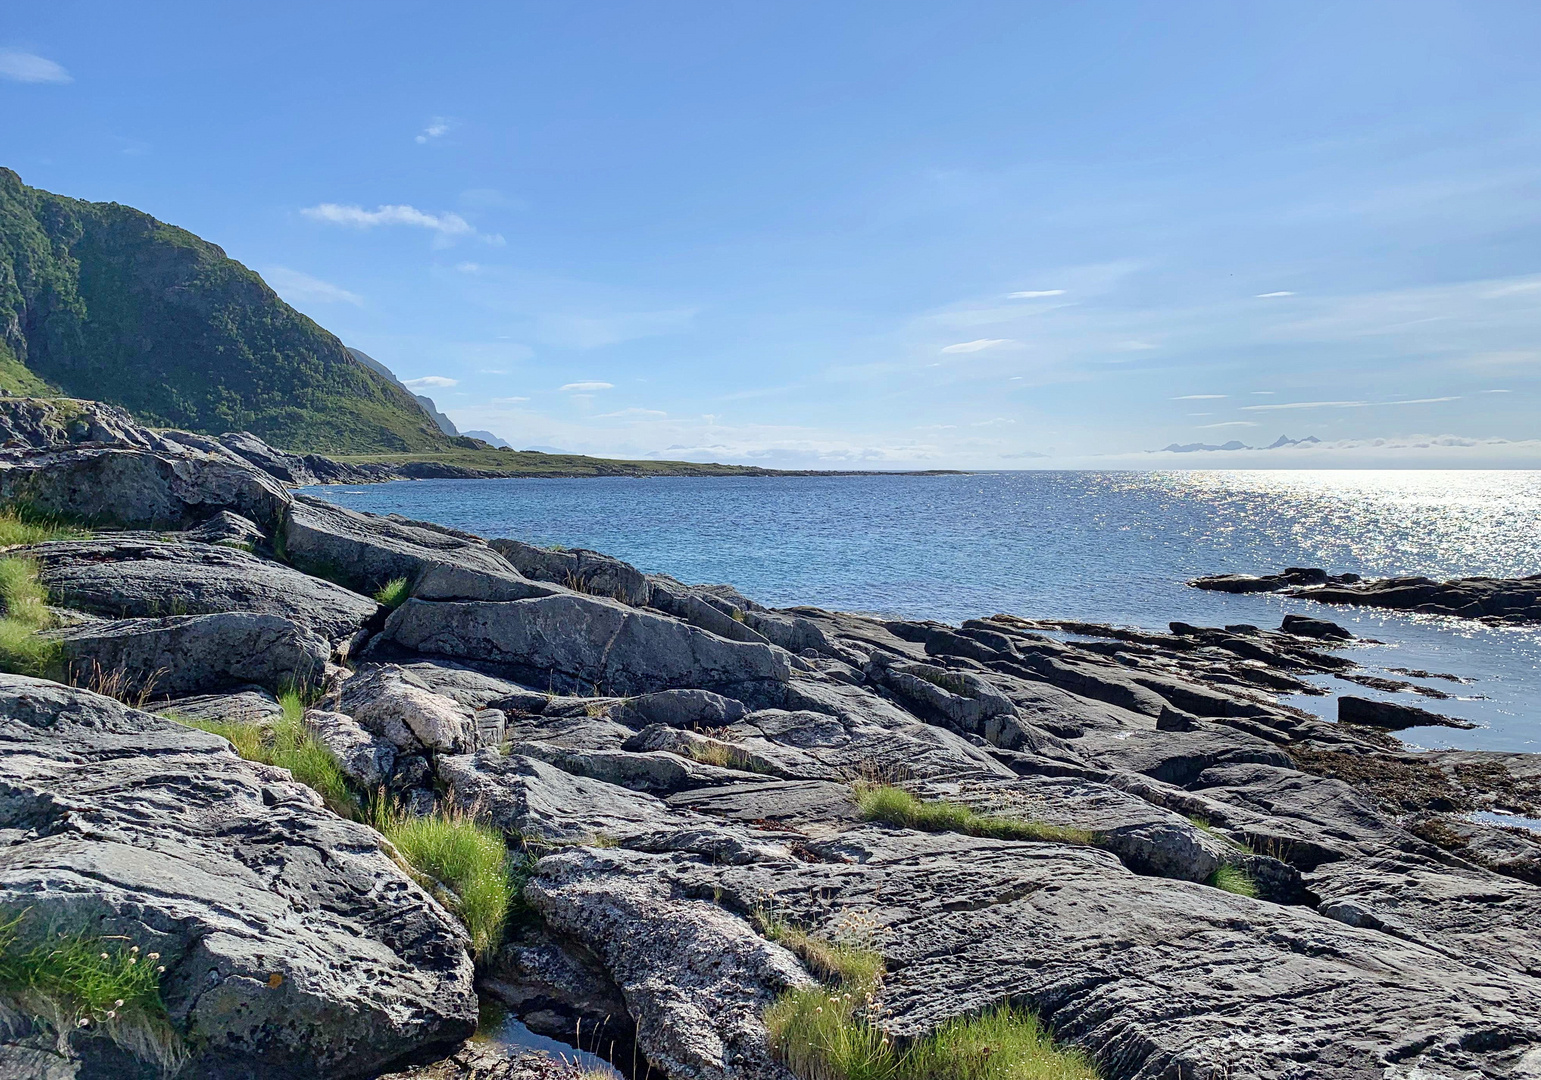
<point>868,235</point>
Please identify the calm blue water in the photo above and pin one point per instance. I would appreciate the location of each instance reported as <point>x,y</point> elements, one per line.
<point>1105,547</point>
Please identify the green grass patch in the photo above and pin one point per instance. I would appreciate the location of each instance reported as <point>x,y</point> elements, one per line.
<point>21,525</point>
<point>464,863</point>
<point>287,743</point>
<point>1234,879</point>
<point>856,966</point>
<point>393,593</point>
<point>895,806</point>
<point>725,756</point>
<point>75,978</point>
<point>832,1032</point>
<point>23,615</point>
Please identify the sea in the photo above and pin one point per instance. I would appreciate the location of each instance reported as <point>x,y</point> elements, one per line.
<point>1113,547</point>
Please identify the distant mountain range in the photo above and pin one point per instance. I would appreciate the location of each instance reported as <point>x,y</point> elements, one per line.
<point>1188,448</point>
<point>102,301</point>
<point>487,437</point>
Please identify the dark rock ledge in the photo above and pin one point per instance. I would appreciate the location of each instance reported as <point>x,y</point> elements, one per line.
<point>684,756</point>
<point>1514,601</point>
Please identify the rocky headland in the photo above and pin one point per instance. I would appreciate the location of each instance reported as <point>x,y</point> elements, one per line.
<point>1513,601</point>
<point>709,807</point>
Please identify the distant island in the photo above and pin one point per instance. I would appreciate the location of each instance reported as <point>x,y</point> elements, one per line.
<point>1234,444</point>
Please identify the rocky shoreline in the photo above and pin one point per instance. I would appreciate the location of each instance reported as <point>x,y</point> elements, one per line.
<point>1498,601</point>
<point>1197,881</point>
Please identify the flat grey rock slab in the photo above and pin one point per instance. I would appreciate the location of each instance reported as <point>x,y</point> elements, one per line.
<point>141,488</point>
<point>366,551</point>
<point>124,578</point>
<point>293,945</point>
<point>197,654</point>
<point>585,642</point>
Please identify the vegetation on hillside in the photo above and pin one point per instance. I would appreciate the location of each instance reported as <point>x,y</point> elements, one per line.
<point>482,458</point>
<point>105,302</point>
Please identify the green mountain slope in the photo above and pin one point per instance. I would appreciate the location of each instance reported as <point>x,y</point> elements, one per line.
<point>102,301</point>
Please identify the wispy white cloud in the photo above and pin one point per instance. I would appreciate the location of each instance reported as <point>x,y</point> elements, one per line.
<point>437,127</point>
<point>591,331</point>
<point>448,227</point>
<point>431,381</point>
<point>1306,405</point>
<point>976,346</point>
<point>25,67</point>
<point>1271,295</point>
<point>1230,423</point>
<point>1346,404</point>
<point>993,422</point>
<point>468,267</point>
<point>633,413</point>
<point>509,400</point>
<point>1034,294</point>
<point>586,387</point>
<point>1495,391</point>
<point>300,288</point>
<point>1200,397</point>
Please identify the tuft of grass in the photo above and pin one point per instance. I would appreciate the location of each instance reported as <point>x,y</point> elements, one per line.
<point>725,756</point>
<point>834,1033</point>
<point>19,525</point>
<point>24,601</point>
<point>288,744</point>
<point>393,593</point>
<point>464,863</point>
<point>79,980</point>
<point>1233,879</point>
<point>895,806</point>
<point>853,965</point>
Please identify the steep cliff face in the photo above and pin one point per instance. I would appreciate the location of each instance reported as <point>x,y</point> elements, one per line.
<point>103,301</point>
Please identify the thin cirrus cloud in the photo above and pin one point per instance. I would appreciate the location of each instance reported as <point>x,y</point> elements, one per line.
<point>978,345</point>
<point>633,413</point>
<point>447,227</point>
<point>1229,423</point>
<point>1034,294</point>
<point>586,387</point>
<point>25,67</point>
<point>1200,397</point>
<point>431,382</point>
<point>301,288</point>
<point>1346,404</point>
<point>1272,295</point>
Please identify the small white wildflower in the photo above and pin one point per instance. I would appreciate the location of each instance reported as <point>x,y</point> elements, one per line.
<point>118,1004</point>
<point>160,969</point>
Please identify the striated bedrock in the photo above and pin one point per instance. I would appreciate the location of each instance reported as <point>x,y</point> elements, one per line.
<point>585,641</point>
<point>1507,600</point>
<point>135,577</point>
<point>294,946</point>
<point>195,654</point>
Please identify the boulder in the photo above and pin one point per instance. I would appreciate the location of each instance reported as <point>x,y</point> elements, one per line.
<point>680,708</point>
<point>578,569</point>
<point>397,706</point>
<point>367,760</point>
<point>195,654</point>
<point>1304,626</point>
<point>582,642</point>
<point>1390,716</point>
<point>227,528</point>
<point>365,551</point>
<point>135,578</point>
<point>140,488</point>
<point>656,772</point>
<point>294,947</point>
